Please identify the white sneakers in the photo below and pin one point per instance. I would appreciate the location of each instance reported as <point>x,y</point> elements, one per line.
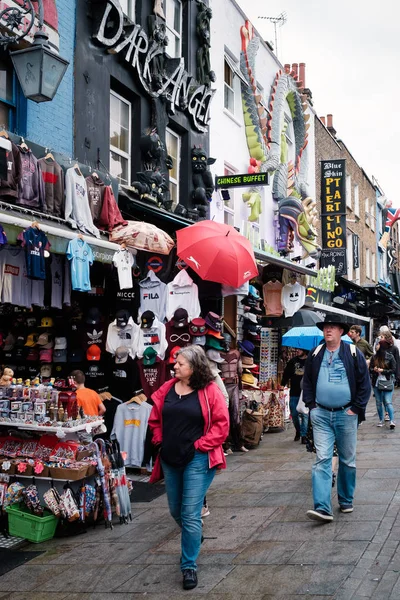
<point>392,424</point>
<point>380,424</point>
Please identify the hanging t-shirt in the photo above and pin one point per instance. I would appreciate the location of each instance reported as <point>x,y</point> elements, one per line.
<point>95,376</point>
<point>37,291</point>
<point>67,284</point>
<point>272,298</point>
<point>15,286</point>
<point>152,376</point>
<point>57,268</point>
<point>124,380</point>
<point>124,261</point>
<point>130,428</point>
<point>81,256</point>
<point>293,298</point>
<point>35,242</point>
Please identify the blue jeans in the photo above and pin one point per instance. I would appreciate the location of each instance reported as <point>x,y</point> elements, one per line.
<point>300,421</point>
<point>186,488</point>
<point>384,398</point>
<point>329,427</point>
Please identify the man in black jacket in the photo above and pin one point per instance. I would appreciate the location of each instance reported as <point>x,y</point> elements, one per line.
<point>336,389</point>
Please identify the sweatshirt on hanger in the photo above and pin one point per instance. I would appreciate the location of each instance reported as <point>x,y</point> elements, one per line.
<point>153,337</point>
<point>53,178</point>
<point>153,295</point>
<point>110,215</point>
<point>122,336</point>
<point>153,376</point>
<point>177,336</point>
<point>183,293</point>
<point>31,187</point>
<point>130,428</point>
<point>272,298</point>
<point>9,186</point>
<point>95,188</point>
<point>293,298</point>
<point>77,210</point>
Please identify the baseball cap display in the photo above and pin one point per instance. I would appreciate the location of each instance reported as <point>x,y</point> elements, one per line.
<point>199,340</point>
<point>214,356</point>
<point>19,354</point>
<point>31,322</point>
<point>9,342</point>
<point>214,321</point>
<point>46,322</point>
<point>122,318</point>
<point>45,370</point>
<point>149,356</point>
<point>247,347</point>
<point>76,355</point>
<point>250,317</point>
<point>33,354</point>
<point>180,317</point>
<point>254,292</point>
<point>216,334</point>
<point>20,342</point>
<point>93,352</point>
<point>93,316</point>
<point>121,355</point>
<point>31,340</point>
<point>213,343</point>
<point>60,356</point>
<point>46,355</point>
<point>61,343</point>
<point>45,340</point>
<point>147,319</point>
<point>173,354</point>
<point>197,327</point>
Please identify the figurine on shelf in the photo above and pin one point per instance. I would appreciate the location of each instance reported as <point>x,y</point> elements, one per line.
<point>7,377</point>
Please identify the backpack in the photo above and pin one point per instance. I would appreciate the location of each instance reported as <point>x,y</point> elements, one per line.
<point>353,350</point>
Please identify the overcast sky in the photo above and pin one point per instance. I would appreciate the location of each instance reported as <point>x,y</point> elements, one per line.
<point>352,53</point>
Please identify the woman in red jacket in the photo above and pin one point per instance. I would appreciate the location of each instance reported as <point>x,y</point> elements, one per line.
<point>190,422</point>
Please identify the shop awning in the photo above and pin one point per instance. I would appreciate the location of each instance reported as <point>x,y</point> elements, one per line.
<point>57,232</point>
<point>353,317</point>
<point>271,259</point>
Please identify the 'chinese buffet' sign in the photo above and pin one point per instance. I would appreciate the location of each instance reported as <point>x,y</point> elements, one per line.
<point>333,215</point>
<point>177,86</point>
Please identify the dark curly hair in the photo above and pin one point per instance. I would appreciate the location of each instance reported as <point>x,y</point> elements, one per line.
<point>198,361</point>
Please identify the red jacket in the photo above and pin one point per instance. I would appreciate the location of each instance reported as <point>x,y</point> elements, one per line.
<point>216,424</point>
<point>110,215</point>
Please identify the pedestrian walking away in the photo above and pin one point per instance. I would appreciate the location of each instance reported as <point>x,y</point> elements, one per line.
<point>362,344</point>
<point>293,374</point>
<point>190,422</point>
<point>336,389</point>
<point>383,372</point>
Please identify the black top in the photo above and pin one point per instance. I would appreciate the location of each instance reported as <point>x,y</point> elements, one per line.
<point>294,373</point>
<point>183,424</point>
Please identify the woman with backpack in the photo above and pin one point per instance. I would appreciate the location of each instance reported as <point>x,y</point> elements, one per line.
<point>383,372</point>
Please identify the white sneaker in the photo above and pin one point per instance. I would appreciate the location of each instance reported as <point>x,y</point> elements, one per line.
<point>380,424</point>
<point>243,449</point>
<point>205,512</point>
<point>392,424</point>
<point>387,418</point>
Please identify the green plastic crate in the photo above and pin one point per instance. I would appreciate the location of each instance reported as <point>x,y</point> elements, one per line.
<point>22,523</point>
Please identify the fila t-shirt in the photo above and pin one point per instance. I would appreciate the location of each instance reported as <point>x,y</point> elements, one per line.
<point>124,262</point>
<point>81,256</point>
<point>35,242</point>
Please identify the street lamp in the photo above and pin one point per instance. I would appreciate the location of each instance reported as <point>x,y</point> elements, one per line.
<point>39,69</point>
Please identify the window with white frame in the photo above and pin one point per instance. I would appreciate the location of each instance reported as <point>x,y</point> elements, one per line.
<point>368,263</point>
<point>229,205</point>
<point>372,215</point>
<point>229,92</point>
<point>356,201</point>
<point>173,143</point>
<point>120,138</point>
<point>373,266</point>
<point>348,191</point>
<point>128,8</point>
<point>367,213</point>
<point>173,17</point>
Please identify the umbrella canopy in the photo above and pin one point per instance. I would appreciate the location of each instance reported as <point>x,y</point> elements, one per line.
<point>306,338</point>
<point>305,318</point>
<point>143,236</point>
<point>217,252</point>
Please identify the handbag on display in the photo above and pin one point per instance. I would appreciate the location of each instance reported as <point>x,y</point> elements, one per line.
<point>385,385</point>
<point>252,427</point>
<point>301,407</point>
<point>276,415</point>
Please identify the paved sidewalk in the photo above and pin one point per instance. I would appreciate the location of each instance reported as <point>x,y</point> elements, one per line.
<point>259,544</point>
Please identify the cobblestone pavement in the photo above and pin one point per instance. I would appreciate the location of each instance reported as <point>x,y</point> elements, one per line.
<point>259,544</point>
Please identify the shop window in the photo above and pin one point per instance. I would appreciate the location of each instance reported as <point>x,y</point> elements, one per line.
<point>173,143</point>
<point>348,191</point>
<point>128,8</point>
<point>120,138</point>
<point>173,16</point>
<point>356,201</point>
<point>229,205</point>
<point>229,93</point>
<point>373,266</point>
<point>367,213</point>
<point>368,263</point>
<point>12,100</point>
<point>372,216</point>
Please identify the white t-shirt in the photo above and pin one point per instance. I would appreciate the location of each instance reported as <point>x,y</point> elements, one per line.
<point>293,298</point>
<point>38,292</point>
<point>14,284</point>
<point>124,262</point>
<point>57,269</point>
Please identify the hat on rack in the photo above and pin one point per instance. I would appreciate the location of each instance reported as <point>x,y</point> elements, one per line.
<point>248,380</point>
<point>31,340</point>
<point>334,320</point>
<point>20,342</point>
<point>227,341</point>
<point>93,316</point>
<point>173,354</point>
<point>149,356</point>
<point>247,347</point>
<point>60,356</point>
<point>216,334</point>
<point>93,353</point>
<point>31,322</point>
<point>9,342</point>
<point>121,355</point>
<point>211,342</point>
<point>45,371</point>
<point>33,354</point>
<point>46,322</point>
<point>122,317</point>
<point>45,340</point>
<point>213,321</point>
<point>180,317</point>
<point>214,356</point>
<point>46,355</point>
<point>197,327</point>
<point>254,292</point>
<point>60,343</point>
<point>147,319</point>
<point>249,316</point>
<point>247,362</point>
<point>255,370</point>
<point>76,356</point>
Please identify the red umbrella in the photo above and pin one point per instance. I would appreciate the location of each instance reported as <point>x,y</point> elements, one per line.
<point>217,252</point>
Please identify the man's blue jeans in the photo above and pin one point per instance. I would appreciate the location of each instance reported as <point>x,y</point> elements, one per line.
<point>186,488</point>
<point>300,421</point>
<point>327,427</point>
<point>384,398</point>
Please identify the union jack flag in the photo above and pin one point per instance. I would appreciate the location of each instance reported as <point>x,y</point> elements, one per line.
<point>393,215</point>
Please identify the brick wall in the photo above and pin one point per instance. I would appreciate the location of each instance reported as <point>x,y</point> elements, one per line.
<point>327,146</point>
<point>51,124</point>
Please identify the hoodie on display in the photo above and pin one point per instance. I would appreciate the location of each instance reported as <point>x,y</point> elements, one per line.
<point>110,215</point>
<point>53,178</point>
<point>95,189</point>
<point>77,210</point>
<point>153,295</point>
<point>9,186</point>
<point>272,292</point>
<point>31,192</point>
<point>153,337</point>
<point>122,336</point>
<point>152,376</point>
<point>183,293</point>
<point>293,298</point>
